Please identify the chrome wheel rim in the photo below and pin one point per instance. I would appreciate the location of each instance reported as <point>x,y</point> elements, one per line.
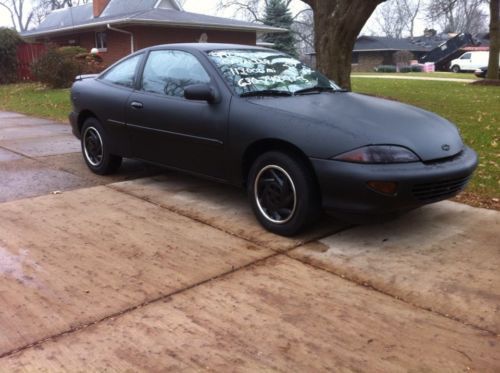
<point>93,147</point>
<point>275,194</point>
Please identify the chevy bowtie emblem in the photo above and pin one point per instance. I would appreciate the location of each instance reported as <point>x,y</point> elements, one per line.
<point>445,147</point>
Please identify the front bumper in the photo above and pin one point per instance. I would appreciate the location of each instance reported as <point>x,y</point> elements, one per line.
<point>344,185</point>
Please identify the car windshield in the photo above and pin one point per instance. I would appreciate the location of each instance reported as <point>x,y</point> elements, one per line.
<point>254,72</point>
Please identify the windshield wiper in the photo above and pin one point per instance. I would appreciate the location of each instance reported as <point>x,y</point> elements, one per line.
<point>266,92</point>
<point>316,89</point>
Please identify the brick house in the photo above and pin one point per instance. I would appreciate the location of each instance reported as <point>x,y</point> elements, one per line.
<point>118,27</point>
<point>372,51</point>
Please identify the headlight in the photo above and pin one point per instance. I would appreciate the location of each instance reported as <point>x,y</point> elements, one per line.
<point>379,154</point>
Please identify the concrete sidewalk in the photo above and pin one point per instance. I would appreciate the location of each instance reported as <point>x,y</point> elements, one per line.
<point>151,270</point>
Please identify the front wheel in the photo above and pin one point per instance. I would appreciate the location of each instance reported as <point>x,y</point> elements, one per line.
<point>283,193</point>
<point>95,145</point>
<point>455,69</point>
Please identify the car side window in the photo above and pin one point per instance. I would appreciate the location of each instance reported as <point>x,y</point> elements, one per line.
<point>124,73</point>
<point>466,56</point>
<point>168,72</point>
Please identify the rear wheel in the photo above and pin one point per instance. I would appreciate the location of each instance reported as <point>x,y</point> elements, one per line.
<point>95,145</point>
<point>455,69</point>
<point>283,193</point>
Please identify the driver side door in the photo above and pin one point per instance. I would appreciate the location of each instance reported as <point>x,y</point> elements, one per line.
<point>168,129</point>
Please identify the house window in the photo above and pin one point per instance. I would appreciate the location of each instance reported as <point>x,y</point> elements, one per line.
<point>355,58</point>
<point>101,41</point>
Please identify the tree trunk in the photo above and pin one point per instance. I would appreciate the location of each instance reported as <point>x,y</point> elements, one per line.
<point>494,39</point>
<point>338,24</point>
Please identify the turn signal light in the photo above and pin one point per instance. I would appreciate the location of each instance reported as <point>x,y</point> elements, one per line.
<point>389,188</point>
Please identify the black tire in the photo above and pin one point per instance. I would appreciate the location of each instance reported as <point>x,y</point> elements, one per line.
<point>95,145</point>
<point>270,197</point>
<point>455,69</point>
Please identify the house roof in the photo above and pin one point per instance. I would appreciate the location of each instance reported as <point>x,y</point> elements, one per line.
<point>136,12</point>
<point>483,39</point>
<point>382,43</point>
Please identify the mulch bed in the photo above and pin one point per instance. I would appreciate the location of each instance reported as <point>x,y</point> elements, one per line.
<point>478,201</point>
<point>487,82</point>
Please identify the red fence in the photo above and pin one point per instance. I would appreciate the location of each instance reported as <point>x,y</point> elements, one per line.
<point>27,54</point>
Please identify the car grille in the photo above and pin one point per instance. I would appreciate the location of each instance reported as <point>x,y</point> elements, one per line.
<point>439,190</point>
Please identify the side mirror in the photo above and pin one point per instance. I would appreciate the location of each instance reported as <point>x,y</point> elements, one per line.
<point>201,92</point>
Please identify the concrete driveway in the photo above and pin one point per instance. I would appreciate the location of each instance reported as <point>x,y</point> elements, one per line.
<point>151,270</point>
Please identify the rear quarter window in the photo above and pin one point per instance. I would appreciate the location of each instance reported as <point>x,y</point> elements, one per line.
<point>124,73</point>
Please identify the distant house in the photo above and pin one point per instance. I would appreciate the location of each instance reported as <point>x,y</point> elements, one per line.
<point>482,43</point>
<point>119,27</point>
<point>372,51</point>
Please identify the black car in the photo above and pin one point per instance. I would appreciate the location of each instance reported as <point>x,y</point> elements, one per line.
<point>259,119</point>
<point>482,72</point>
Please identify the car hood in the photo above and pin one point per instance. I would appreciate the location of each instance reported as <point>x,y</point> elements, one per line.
<point>373,121</point>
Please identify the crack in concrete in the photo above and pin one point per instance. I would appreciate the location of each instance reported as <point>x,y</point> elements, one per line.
<point>383,292</point>
<point>232,234</point>
<point>275,253</point>
<point>178,212</point>
<point>17,153</point>
<point>305,242</point>
<point>123,312</point>
<point>161,298</point>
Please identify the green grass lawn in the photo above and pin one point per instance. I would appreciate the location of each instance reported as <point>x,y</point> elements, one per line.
<point>34,99</point>
<point>437,74</point>
<point>475,109</point>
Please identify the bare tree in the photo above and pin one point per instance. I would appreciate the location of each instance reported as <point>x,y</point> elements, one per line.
<point>443,12</point>
<point>412,9</point>
<point>43,7</point>
<point>303,29</point>
<point>493,69</point>
<point>254,11</point>
<point>251,10</point>
<point>391,19</point>
<point>397,17</point>
<point>458,15</point>
<point>476,17</point>
<point>20,13</point>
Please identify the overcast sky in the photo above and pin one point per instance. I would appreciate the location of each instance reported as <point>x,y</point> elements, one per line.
<point>210,7</point>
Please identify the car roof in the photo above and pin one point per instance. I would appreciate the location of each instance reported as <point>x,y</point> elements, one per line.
<point>205,47</point>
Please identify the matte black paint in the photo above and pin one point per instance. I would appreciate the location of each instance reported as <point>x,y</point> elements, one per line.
<point>210,139</point>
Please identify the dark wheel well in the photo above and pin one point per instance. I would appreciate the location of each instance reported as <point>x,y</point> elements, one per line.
<point>260,147</point>
<point>84,115</point>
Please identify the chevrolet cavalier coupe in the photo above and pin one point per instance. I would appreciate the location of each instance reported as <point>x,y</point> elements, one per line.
<point>259,119</point>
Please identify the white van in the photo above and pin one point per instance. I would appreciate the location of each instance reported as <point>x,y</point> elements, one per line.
<point>470,61</point>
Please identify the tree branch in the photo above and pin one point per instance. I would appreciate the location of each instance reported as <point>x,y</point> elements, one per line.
<point>301,12</point>
<point>12,18</point>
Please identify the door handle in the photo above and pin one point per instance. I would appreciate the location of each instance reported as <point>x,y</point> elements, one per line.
<point>136,105</point>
